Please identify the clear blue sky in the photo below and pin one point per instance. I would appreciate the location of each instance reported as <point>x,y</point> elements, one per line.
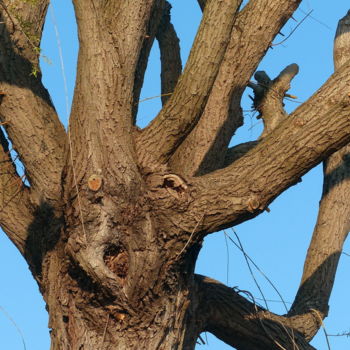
<point>277,241</point>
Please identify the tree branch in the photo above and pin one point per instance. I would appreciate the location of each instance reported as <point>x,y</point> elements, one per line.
<point>333,222</point>
<point>170,58</point>
<point>269,95</point>
<point>255,28</point>
<point>244,189</point>
<point>159,140</point>
<point>244,325</point>
<point>26,109</point>
<point>101,123</point>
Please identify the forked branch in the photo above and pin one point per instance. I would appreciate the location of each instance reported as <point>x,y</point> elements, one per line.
<point>244,189</point>
<point>254,30</point>
<point>159,140</point>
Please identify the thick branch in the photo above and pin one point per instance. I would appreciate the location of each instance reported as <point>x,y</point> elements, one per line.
<point>159,140</point>
<point>31,121</point>
<point>170,58</point>
<point>255,28</point>
<point>244,325</point>
<point>102,115</point>
<point>333,221</point>
<point>244,189</point>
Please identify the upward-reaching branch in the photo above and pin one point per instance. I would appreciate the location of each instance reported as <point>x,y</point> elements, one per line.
<point>170,58</point>
<point>255,28</point>
<point>333,221</point>
<point>159,140</point>
<point>26,109</point>
<point>102,112</point>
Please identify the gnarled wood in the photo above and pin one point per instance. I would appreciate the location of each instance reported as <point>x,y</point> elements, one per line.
<point>113,242</point>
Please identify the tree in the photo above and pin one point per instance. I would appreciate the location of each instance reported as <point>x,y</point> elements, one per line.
<point>113,218</point>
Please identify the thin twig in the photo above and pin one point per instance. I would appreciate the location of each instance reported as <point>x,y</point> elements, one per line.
<point>67,111</point>
<point>294,29</point>
<point>16,326</point>
<point>227,260</point>
<point>189,240</point>
<point>323,326</point>
<point>261,272</point>
<point>250,269</point>
<point>153,97</point>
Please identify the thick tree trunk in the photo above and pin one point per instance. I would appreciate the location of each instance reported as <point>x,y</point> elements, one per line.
<point>84,316</point>
<point>112,228</point>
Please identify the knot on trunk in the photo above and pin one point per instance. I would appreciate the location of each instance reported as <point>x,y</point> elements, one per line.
<point>269,95</point>
<point>117,260</point>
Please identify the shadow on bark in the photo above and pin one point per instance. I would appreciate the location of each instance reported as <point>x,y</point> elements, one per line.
<point>340,173</point>
<point>43,235</point>
<point>18,70</point>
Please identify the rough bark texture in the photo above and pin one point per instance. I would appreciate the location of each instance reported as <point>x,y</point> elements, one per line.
<point>113,218</point>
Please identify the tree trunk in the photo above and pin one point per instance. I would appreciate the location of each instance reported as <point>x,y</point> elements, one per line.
<point>113,219</point>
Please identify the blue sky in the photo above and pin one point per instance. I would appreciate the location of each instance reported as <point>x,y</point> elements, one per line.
<point>277,241</point>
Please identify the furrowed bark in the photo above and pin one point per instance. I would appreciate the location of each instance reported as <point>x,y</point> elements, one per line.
<point>255,28</point>
<point>243,190</point>
<point>333,221</point>
<point>26,109</point>
<point>104,167</point>
<point>170,58</point>
<point>15,207</point>
<point>103,99</point>
<point>244,325</point>
<point>159,140</point>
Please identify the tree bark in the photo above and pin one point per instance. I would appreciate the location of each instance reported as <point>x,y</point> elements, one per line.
<point>113,218</point>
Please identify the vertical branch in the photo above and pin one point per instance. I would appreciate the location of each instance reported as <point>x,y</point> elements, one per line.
<point>333,221</point>
<point>254,29</point>
<point>170,58</point>
<point>160,139</point>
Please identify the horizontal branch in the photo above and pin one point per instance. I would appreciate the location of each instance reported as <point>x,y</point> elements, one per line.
<point>244,325</point>
<point>157,142</point>
<point>255,28</point>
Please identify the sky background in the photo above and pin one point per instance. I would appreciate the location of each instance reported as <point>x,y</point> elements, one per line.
<point>276,241</point>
